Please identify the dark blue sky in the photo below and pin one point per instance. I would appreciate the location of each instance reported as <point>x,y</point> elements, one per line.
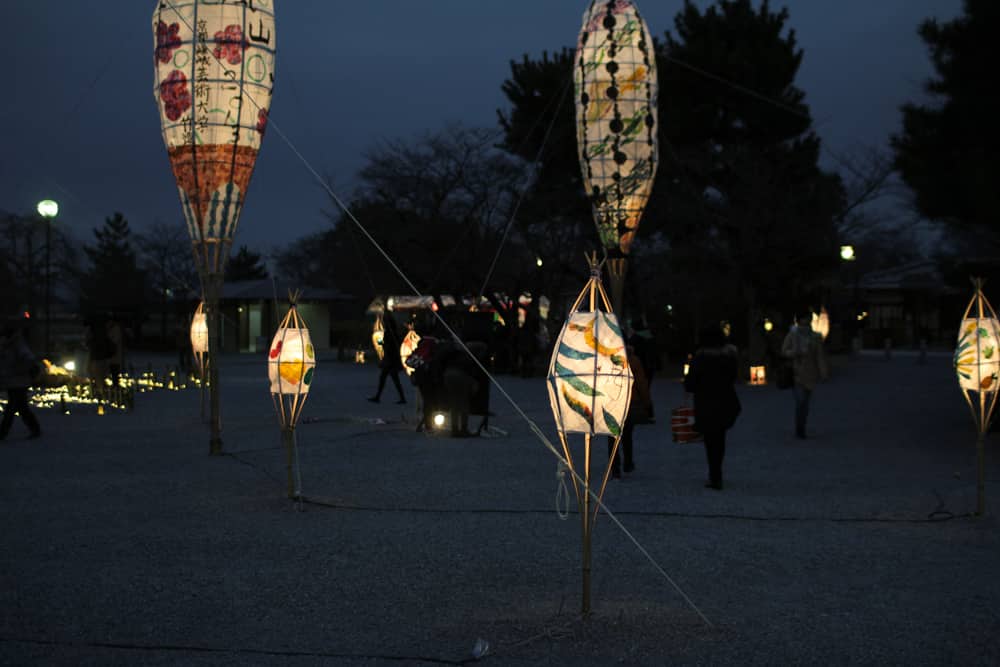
<point>79,124</point>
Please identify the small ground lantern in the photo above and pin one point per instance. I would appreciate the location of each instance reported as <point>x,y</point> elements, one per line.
<point>977,364</point>
<point>291,364</point>
<point>199,338</point>
<point>590,385</point>
<point>757,375</point>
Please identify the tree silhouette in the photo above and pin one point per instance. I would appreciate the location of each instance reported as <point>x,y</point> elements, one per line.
<point>245,265</point>
<point>114,282</point>
<point>947,151</point>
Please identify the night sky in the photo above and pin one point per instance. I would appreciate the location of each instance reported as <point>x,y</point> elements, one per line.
<point>79,123</point>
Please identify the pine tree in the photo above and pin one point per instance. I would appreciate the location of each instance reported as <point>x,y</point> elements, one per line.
<point>114,284</point>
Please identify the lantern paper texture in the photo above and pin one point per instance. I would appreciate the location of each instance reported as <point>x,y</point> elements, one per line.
<point>977,357</point>
<point>616,89</point>
<point>214,71</point>
<point>291,361</point>
<point>589,381</point>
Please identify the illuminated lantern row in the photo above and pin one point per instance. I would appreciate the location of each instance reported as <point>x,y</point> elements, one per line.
<point>291,365</point>
<point>214,71</point>
<point>590,385</point>
<point>616,89</point>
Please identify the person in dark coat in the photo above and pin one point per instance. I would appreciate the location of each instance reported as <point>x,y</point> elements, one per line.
<point>711,378</point>
<point>391,362</point>
<point>18,368</point>
<point>639,410</point>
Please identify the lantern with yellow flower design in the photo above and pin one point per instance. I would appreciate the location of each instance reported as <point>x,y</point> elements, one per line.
<point>291,364</point>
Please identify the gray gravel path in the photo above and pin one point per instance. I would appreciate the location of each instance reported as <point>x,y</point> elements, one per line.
<point>124,543</point>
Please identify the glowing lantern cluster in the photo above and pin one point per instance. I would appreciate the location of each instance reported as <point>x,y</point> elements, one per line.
<point>616,89</point>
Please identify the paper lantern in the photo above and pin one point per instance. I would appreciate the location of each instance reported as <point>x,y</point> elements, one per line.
<point>199,333</point>
<point>590,385</point>
<point>758,375</point>
<point>616,89</point>
<point>214,71</point>
<point>378,337</point>
<point>406,348</point>
<point>977,365</point>
<point>821,323</point>
<point>291,365</point>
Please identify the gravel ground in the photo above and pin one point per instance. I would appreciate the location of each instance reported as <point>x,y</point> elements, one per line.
<point>125,543</point>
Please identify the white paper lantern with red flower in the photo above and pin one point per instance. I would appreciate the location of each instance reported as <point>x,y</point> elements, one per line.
<point>291,364</point>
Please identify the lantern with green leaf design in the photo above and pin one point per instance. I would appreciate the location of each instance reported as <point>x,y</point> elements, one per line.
<point>590,385</point>
<point>977,365</point>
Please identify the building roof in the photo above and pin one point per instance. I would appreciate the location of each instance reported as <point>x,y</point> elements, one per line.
<point>920,275</point>
<point>261,290</point>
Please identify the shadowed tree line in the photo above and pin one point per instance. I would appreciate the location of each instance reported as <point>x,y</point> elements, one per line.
<point>744,221</point>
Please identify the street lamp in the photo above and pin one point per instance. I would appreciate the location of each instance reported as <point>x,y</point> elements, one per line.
<point>847,253</point>
<point>48,209</point>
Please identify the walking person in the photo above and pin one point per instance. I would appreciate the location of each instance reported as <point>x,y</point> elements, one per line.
<point>391,363</point>
<point>18,368</point>
<point>805,349</point>
<point>710,378</point>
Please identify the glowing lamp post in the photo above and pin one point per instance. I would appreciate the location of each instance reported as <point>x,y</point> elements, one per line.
<point>589,385</point>
<point>213,75</point>
<point>48,209</point>
<point>616,87</point>
<point>977,364</point>
<point>291,365</point>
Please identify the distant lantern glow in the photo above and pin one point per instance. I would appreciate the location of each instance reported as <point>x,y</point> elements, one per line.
<point>406,348</point>
<point>768,325</point>
<point>199,336</point>
<point>757,375</point>
<point>847,253</point>
<point>821,323</point>
<point>48,208</point>
<point>538,262</point>
<point>438,420</point>
<point>378,337</point>
<point>70,365</point>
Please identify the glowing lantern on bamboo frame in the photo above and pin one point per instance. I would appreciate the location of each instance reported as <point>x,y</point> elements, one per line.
<point>758,375</point>
<point>616,125</point>
<point>590,385</point>
<point>213,76</point>
<point>291,364</point>
<point>977,365</point>
<point>378,337</point>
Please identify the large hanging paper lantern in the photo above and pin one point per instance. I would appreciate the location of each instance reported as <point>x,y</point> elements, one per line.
<point>214,71</point>
<point>590,385</point>
<point>977,365</point>
<point>291,365</point>
<point>616,88</point>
